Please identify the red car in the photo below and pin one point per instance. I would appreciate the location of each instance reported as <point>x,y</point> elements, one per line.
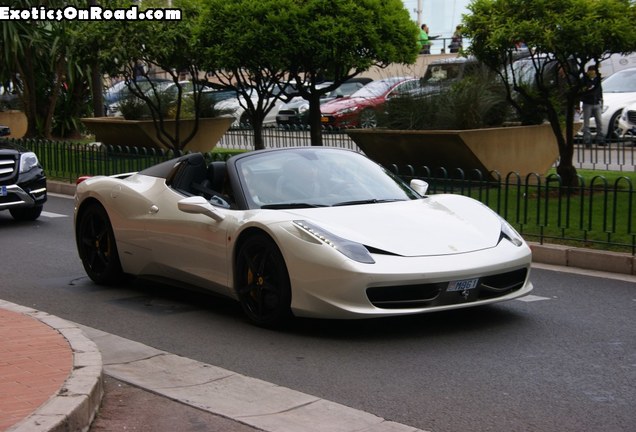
<point>361,109</point>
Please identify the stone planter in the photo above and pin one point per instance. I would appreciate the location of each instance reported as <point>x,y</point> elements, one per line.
<point>142,133</point>
<point>520,149</point>
<point>17,122</point>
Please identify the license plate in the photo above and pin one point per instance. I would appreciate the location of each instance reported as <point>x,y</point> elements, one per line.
<point>324,119</point>
<point>3,191</point>
<point>463,285</point>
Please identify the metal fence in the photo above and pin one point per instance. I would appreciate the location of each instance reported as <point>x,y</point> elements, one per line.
<point>598,213</point>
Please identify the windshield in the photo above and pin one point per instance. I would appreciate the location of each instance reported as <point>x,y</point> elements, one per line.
<point>306,177</point>
<point>621,82</point>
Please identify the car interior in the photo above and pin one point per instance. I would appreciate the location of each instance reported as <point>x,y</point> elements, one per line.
<point>193,176</point>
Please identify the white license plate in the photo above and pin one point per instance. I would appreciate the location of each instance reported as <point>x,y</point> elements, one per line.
<point>3,191</point>
<point>463,285</point>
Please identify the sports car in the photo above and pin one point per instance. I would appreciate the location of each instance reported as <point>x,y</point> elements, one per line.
<point>306,232</point>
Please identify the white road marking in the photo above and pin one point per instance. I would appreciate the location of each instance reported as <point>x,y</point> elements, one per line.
<point>53,215</point>
<point>532,298</point>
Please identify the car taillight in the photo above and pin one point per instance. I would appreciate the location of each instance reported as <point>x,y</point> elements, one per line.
<point>81,179</point>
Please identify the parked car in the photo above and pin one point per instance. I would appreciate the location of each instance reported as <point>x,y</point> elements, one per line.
<point>296,111</point>
<point>362,108</point>
<point>619,90</point>
<point>235,106</point>
<point>119,91</point>
<point>627,124</point>
<point>309,232</point>
<point>22,182</point>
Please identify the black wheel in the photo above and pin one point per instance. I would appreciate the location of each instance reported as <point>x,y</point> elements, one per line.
<point>368,119</point>
<point>262,282</point>
<point>245,121</point>
<point>96,246</point>
<point>26,214</point>
<point>612,127</point>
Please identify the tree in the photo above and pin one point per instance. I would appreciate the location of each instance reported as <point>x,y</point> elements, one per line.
<point>562,38</point>
<point>167,46</point>
<point>34,57</point>
<point>277,42</point>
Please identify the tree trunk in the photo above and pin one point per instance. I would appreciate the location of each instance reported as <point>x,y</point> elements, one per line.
<point>315,125</point>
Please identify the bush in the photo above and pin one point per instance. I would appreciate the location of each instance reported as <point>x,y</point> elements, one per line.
<point>477,101</point>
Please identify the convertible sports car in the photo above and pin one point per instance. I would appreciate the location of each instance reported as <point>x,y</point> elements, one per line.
<point>308,232</point>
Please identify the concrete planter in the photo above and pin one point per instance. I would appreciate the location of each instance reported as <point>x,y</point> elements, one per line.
<point>142,133</point>
<point>17,122</point>
<point>520,149</point>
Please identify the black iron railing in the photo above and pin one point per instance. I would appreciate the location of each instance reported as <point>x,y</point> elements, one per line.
<point>598,213</point>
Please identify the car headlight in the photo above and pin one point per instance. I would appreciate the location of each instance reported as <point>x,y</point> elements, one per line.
<point>303,108</point>
<point>28,161</point>
<point>348,248</point>
<point>509,233</point>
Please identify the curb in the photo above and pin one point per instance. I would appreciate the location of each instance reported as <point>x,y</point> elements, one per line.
<point>76,403</point>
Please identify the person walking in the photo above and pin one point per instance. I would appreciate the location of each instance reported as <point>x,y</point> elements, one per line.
<point>423,42</point>
<point>592,101</point>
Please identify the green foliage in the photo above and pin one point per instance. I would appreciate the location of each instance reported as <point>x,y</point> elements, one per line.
<point>261,42</point>
<point>477,101</point>
<point>565,35</point>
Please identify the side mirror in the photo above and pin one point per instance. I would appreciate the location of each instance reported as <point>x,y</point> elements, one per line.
<point>419,186</point>
<point>199,205</point>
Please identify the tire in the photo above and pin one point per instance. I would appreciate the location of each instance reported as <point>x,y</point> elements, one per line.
<point>612,127</point>
<point>368,119</point>
<point>262,282</point>
<point>26,214</point>
<point>97,248</point>
<point>245,122</point>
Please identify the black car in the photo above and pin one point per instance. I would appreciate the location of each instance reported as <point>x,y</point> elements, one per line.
<point>22,182</point>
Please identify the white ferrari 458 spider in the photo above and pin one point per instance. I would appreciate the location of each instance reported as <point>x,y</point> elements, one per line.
<point>308,232</point>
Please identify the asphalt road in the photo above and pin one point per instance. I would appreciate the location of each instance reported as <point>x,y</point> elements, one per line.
<point>561,359</point>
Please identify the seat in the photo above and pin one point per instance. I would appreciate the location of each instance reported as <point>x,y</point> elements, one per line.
<point>213,185</point>
<point>190,171</point>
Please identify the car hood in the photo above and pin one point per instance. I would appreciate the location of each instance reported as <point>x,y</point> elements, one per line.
<point>6,145</point>
<point>341,104</point>
<point>617,100</point>
<point>440,225</point>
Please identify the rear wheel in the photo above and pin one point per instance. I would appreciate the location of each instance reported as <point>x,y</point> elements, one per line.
<point>262,282</point>
<point>96,246</point>
<point>368,119</point>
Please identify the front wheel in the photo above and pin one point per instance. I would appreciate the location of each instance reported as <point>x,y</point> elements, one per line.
<point>96,246</point>
<point>368,119</point>
<point>262,282</point>
<point>613,127</point>
<point>26,214</point>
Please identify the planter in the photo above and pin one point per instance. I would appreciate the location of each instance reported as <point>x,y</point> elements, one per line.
<point>520,149</point>
<point>142,133</point>
<point>17,122</point>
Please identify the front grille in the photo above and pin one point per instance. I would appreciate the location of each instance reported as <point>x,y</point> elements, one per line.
<point>436,294</point>
<point>8,167</point>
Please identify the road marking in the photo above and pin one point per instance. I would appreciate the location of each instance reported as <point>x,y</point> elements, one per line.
<point>532,298</point>
<point>53,215</point>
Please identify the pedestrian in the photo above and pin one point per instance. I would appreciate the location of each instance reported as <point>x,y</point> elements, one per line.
<point>423,42</point>
<point>592,101</point>
<point>456,40</point>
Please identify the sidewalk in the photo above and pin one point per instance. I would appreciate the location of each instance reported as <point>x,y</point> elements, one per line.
<point>52,378</point>
<point>50,373</point>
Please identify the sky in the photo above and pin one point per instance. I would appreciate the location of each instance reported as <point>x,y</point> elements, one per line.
<point>441,15</point>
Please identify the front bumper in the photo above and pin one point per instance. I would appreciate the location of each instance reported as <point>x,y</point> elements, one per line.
<point>31,193</point>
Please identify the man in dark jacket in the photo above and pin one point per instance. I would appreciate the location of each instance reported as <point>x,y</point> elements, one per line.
<point>592,101</point>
